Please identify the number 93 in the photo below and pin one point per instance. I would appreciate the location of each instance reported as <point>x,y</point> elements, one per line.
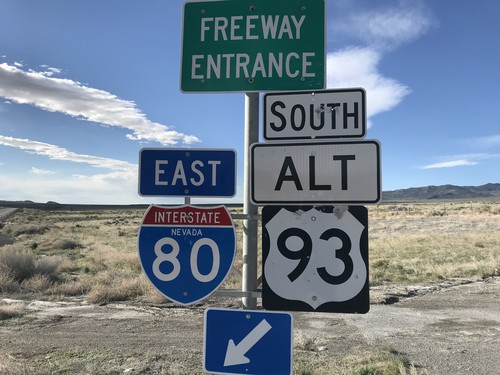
<point>303,255</point>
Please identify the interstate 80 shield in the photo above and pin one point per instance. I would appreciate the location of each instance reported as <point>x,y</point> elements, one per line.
<point>315,258</point>
<point>186,252</point>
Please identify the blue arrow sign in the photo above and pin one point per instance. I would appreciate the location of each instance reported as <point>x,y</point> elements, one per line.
<point>187,172</point>
<point>248,342</point>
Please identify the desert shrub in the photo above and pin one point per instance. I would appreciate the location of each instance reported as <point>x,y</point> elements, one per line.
<point>73,288</point>
<point>118,290</point>
<point>439,213</point>
<point>17,263</point>
<point>22,265</point>
<point>28,229</point>
<point>66,244</point>
<point>67,265</point>
<point>48,266</point>
<point>10,312</point>
<point>368,370</point>
<point>5,240</point>
<point>7,282</point>
<point>37,283</point>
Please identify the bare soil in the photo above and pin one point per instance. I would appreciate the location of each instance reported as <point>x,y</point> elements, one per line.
<point>448,329</point>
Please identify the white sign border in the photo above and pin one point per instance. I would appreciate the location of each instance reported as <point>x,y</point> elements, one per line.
<point>246,311</point>
<point>265,125</point>
<point>318,202</point>
<point>250,90</point>
<point>159,149</point>
<point>143,272</point>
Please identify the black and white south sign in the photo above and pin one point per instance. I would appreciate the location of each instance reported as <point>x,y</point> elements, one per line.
<point>314,115</point>
<point>315,258</point>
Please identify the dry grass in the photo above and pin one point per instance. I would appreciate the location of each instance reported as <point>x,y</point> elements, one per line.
<point>111,287</point>
<point>94,254</point>
<point>315,359</point>
<point>8,283</point>
<point>11,312</point>
<point>10,365</point>
<point>19,266</point>
<point>313,356</point>
<point>72,361</point>
<point>417,243</point>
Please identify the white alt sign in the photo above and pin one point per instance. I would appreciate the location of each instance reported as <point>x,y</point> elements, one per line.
<point>315,173</point>
<point>315,114</point>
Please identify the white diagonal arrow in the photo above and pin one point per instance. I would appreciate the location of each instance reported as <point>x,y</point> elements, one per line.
<point>235,354</point>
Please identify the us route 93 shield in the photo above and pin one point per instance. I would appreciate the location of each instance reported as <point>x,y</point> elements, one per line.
<point>315,258</point>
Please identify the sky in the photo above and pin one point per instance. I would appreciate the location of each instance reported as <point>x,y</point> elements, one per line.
<point>84,85</point>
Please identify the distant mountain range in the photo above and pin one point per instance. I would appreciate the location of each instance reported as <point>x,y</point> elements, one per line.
<point>443,192</point>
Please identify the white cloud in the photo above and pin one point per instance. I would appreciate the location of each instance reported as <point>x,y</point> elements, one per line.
<point>108,188</point>
<point>450,164</point>
<point>372,33</point>
<point>357,67</point>
<point>48,72</point>
<point>486,142</point>
<point>59,153</point>
<point>72,98</point>
<point>116,187</point>
<point>119,186</point>
<point>461,160</point>
<point>387,27</point>
<point>39,171</point>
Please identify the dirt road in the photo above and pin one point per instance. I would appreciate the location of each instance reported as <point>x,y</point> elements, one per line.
<point>452,331</point>
<point>449,331</point>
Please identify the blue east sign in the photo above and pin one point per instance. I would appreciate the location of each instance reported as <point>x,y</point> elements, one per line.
<point>187,172</point>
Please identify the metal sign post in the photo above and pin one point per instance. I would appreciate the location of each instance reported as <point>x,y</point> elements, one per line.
<point>250,224</point>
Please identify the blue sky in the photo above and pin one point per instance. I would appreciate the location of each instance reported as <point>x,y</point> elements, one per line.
<point>84,85</point>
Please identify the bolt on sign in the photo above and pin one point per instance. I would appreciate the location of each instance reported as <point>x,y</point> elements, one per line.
<point>315,258</point>
<point>315,172</point>
<point>186,252</point>
<point>255,45</point>
<point>311,115</point>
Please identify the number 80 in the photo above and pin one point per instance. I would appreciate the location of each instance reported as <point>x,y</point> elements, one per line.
<point>171,258</point>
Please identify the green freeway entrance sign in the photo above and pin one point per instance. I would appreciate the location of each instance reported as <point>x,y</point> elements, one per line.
<point>256,45</point>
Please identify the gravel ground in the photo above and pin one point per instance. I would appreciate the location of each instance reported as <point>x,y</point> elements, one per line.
<point>450,330</point>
